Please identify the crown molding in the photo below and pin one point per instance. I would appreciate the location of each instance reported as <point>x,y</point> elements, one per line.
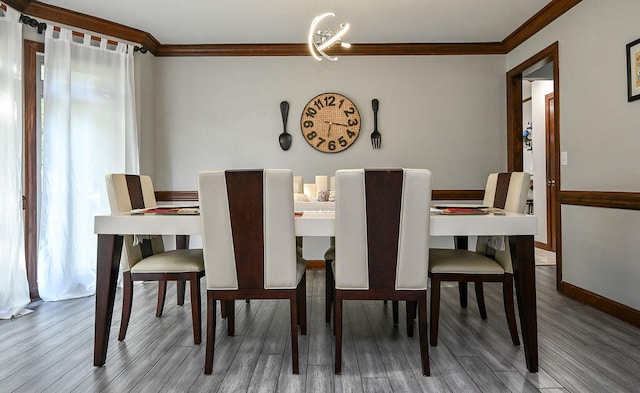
<point>55,14</point>
<point>537,22</point>
<point>388,49</point>
<point>18,4</point>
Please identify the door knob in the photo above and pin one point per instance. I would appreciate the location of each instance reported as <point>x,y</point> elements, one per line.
<point>551,182</point>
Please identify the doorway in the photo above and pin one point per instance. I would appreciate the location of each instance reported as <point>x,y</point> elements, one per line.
<point>547,175</point>
<point>538,137</point>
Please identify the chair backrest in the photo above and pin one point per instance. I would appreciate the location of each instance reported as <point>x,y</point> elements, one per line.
<point>128,192</point>
<point>507,191</point>
<point>248,229</point>
<point>382,229</point>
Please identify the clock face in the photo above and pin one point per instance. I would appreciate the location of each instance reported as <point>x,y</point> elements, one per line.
<point>330,122</point>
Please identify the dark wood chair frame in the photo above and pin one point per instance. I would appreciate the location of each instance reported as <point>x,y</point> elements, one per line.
<point>413,298</point>
<point>478,279</point>
<point>162,278</point>
<point>297,305</point>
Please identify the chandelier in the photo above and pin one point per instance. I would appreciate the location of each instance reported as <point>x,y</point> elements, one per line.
<point>321,40</point>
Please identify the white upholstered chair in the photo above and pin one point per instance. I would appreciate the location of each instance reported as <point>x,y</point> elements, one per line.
<point>250,246</point>
<point>490,262</point>
<point>507,191</point>
<point>146,259</point>
<point>381,243</point>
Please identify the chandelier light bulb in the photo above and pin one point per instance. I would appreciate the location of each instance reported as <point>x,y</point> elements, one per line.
<point>319,40</point>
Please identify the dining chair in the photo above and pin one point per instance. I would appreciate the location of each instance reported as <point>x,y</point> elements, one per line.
<point>144,257</point>
<point>248,234</point>
<point>490,262</point>
<point>507,191</point>
<point>381,243</point>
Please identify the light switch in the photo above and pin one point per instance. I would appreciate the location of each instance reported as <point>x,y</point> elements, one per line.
<point>563,158</point>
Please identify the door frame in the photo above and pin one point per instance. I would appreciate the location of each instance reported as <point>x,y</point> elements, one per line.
<point>31,140</point>
<point>550,175</point>
<point>514,131</point>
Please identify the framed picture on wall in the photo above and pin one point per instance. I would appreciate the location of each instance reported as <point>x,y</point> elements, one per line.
<point>633,70</point>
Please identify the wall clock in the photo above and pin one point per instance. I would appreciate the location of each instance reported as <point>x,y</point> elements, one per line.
<point>330,122</point>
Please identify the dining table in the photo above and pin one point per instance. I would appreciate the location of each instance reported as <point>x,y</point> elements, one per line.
<point>520,229</point>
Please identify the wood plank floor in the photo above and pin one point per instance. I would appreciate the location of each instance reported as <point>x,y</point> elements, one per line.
<point>581,349</point>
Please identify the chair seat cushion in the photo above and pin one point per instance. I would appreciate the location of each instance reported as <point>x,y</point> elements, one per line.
<point>462,262</point>
<point>175,261</point>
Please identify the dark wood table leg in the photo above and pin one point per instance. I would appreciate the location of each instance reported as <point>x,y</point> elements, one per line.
<point>108,263</point>
<point>524,274</point>
<point>462,243</point>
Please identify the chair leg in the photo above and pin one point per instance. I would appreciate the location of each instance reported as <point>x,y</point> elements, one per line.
<point>301,294</point>
<point>181,288</point>
<point>211,333</point>
<point>422,332</point>
<point>162,292</point>
<point>231,316</point>
<point>328,295</point>
<point>480,298</point>
<point>293,305</point>
<point>411,316</point>
<point>194,286</point>
<point>337,326</point>
<point>223,309</point>
<point>127,300</point>
<point>507,294</point>
<point>462,290</point>
<point>435,309</point>
<point>394,311</point>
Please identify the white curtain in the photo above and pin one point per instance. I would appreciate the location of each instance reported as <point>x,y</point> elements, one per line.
<point>89,131</point>
<point>14,289</point>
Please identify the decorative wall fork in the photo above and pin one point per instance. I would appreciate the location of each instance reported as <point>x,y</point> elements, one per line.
<point>376,137</point>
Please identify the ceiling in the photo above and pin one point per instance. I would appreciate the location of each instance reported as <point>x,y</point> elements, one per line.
<point>287,21</point>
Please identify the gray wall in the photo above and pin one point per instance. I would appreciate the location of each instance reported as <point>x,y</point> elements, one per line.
<point>445,113</point>
<point>599,130</point>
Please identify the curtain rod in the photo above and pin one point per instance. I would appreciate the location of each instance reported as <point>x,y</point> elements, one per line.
<point>41,26</point>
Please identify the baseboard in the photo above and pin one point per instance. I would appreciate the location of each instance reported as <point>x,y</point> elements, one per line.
<point>615,309</point>
<point>315,264</point>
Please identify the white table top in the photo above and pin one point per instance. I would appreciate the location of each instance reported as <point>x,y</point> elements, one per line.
<point>319,223</point>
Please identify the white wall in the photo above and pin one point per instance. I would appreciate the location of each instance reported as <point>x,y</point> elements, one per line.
<point>598,129</point>
<point>145,107</point>
<point>445,113</point>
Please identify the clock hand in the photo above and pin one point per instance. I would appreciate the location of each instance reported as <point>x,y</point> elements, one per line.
<point>329,129</point>
<point>338,124</point>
